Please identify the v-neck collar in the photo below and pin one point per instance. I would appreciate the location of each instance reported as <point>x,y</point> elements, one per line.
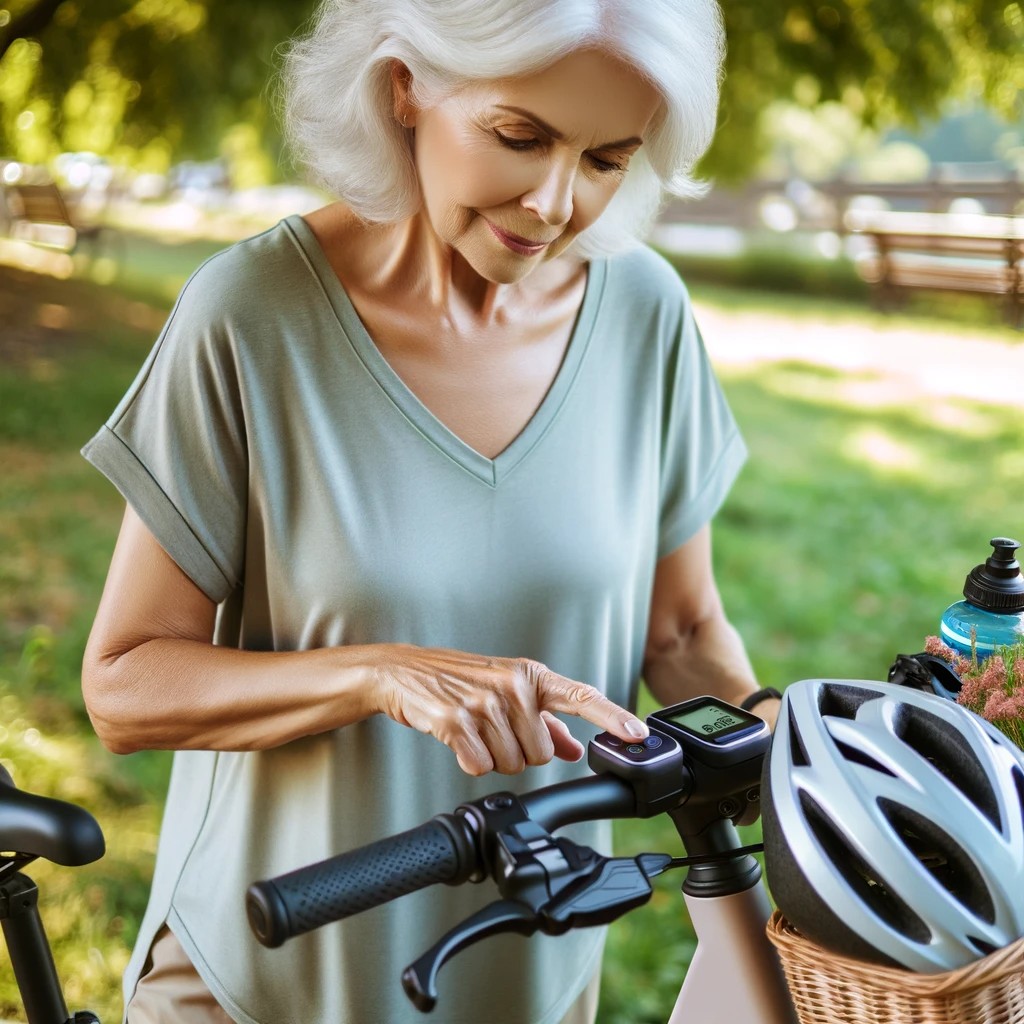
<point>490,471</point>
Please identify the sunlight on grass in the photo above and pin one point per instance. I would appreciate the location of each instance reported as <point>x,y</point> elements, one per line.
<point>883,451</point>
<point>832,388</point>
<point>37,258</point>
<point>959,418</point>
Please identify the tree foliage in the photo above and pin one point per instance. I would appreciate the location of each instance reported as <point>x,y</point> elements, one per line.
<point>148,81</point>
<point>142,81</point>
<point>888,62</point>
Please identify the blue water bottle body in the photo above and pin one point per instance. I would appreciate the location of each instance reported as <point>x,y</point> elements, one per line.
<point>992,630</point>
<point>993,609</point>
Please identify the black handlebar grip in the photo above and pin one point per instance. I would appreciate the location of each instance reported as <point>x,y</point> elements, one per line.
<point>440,850</point>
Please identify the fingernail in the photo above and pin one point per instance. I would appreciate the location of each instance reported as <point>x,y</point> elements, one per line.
<point>636,728</point>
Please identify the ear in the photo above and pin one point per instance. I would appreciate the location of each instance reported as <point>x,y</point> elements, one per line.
<point>401,94</point>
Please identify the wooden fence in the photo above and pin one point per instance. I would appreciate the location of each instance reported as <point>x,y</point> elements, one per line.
<point>822,206</point>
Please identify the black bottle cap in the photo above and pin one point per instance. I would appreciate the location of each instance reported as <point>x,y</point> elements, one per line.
<point>997,585</point>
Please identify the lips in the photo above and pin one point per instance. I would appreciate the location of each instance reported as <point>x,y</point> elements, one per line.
<point>522,241</point>
<point>516,243</point>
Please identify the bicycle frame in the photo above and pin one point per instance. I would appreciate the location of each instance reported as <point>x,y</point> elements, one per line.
<point>735,974</point>
<point>29,950</point>
<point>33,827</point>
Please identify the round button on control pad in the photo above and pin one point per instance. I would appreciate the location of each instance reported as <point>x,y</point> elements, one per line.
<point>639,751</point>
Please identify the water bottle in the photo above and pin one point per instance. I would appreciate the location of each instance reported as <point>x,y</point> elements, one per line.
<point>994,608</point>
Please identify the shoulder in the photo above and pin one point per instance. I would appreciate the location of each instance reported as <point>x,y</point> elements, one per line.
<point>242,284</point>
<point>238,306</point>
<point>647,277</point>
<point>646,299</point>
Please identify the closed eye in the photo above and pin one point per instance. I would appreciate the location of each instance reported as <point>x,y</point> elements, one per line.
<point>519,144</point>
<point>524,145</point>
<point>606,165</point>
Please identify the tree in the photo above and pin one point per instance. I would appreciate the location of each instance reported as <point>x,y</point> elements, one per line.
<point>888,62</point>
<point>141,81</point>
<point>148,81</point>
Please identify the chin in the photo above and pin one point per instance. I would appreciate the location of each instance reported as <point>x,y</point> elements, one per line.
<point>507,274</point>
<point>494,268</point>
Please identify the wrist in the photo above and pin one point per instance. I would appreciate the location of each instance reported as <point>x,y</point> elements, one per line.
<point>378,663</point>
<point>357,680</point>
<point>751,701</point>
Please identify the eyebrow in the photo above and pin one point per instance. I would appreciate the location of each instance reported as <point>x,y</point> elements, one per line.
<point>545,127</point>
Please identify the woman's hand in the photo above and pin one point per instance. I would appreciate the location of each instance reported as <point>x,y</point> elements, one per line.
<point>494,713</point>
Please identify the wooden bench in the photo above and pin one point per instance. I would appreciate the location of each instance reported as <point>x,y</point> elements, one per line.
<point>974,253</point>
<point>39,214</point>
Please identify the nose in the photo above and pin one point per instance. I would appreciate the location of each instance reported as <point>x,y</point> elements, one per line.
<point>551,198</point>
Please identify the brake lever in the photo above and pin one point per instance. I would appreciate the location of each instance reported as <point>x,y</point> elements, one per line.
<point>616,886</point>
<point>612,887</point>
<point>420,978</point>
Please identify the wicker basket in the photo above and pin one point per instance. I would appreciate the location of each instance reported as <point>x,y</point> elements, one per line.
<point>831,989</point>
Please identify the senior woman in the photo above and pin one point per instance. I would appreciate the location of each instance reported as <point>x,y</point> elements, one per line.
<point>407,478</point>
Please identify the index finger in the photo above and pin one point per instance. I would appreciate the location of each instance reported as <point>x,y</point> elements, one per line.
<point>556,693</point>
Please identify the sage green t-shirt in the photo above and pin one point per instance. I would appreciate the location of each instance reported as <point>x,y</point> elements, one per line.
<point>286,468</point>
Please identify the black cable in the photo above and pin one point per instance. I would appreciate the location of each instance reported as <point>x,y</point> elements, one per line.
<point>712,858</point>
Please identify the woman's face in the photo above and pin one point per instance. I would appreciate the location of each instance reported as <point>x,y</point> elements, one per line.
<point>512,171</point>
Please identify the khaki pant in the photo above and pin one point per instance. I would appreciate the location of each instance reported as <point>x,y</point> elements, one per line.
<point>171,992</point>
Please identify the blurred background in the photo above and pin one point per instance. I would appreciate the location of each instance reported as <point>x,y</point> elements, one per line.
<point>856,269</point>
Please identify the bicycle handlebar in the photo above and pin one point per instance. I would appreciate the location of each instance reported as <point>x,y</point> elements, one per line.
<point>443,849</point>
<point>440,850</point>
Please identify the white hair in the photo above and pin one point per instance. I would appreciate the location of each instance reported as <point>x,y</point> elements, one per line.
<point>338,109</point>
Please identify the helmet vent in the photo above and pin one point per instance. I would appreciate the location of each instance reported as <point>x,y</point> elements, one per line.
<point>862,757</point>
<point>843,701</point>
<point>983,947</point>
<point>946,749</point>
<point>797,752</point>
<point>860,876</point>
<point>942,857</point>
<point>1018,779</point>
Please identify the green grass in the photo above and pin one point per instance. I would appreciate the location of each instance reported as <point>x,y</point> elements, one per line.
<point>848,532</point>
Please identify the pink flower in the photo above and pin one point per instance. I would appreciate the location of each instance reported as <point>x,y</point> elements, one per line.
<point>993,674</point>
<point>977,689</point>
<point>934,646</point>
<point>1001,704</point>
<point>971,695</point>
<point>962,665</point>
<point>993,688</point>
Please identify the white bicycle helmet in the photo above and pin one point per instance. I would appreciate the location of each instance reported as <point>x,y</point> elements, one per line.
<point>894,825</point>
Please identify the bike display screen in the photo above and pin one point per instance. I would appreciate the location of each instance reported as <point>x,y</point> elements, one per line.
<point>711,720</point>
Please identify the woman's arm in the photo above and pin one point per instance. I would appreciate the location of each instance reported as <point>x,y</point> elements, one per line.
<point>692,648</point>
<point>153,679</point>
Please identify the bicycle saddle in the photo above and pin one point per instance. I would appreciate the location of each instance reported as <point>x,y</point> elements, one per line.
<point>37,826</point>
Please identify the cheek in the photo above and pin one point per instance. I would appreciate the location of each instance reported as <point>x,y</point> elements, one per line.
<point>489,178</point>
<point>591,198</point>
<point>458,170</point>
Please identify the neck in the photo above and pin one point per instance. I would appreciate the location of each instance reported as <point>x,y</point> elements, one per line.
<point>443,280</point>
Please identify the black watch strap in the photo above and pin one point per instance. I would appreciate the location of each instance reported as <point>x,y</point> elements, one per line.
<point>755,698</point>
